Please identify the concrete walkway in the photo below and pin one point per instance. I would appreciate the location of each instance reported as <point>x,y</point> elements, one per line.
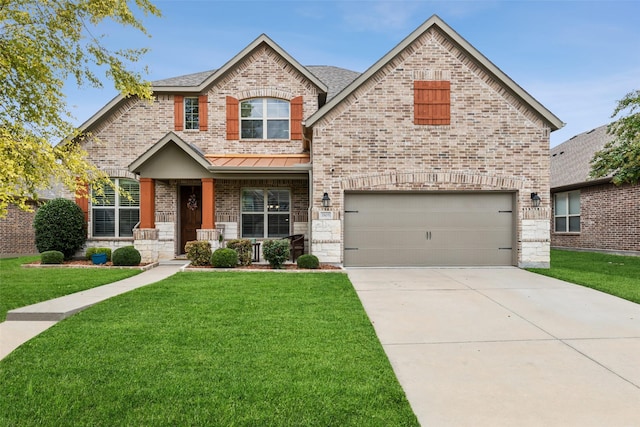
<point>505,347</point>
<point>24,323</point>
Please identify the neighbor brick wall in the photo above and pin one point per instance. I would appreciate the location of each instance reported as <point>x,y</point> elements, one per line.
<point>494,142</point>
<point>609,219</point>
<point>17,236</point>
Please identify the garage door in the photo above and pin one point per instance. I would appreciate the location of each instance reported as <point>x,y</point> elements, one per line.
<point>428,229</point>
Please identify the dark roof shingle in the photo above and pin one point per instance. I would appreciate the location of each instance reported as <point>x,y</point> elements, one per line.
<point>571,160</point>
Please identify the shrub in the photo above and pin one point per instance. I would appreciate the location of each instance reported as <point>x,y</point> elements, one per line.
<point>224,258</point>
<point>59,226</point>
<point>51,257</point>
<point>243,248</point>
<point>308,261</point>
<point>276,252</point>
<point>126,255</point>
<point>92,251</point>
<point>198,252</point>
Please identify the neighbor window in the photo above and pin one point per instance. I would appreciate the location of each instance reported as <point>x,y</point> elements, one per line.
<point>264,118</point>
<point>191,113</point>
<point>115,215</point>
<point>265,213</point>
<point>567,212</point>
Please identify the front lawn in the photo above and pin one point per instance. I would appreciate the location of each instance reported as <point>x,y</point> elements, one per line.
<point>613,274</point>
<point>20,286</point>
<point>242,349</point>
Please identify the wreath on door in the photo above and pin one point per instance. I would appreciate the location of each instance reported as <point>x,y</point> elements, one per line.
<point>192,202</point>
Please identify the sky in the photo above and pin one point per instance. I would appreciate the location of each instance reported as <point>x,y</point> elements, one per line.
<point>576,57</point>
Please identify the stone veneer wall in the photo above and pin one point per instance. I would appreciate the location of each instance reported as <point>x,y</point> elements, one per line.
<point>609,220</point>
<point>370,143</point>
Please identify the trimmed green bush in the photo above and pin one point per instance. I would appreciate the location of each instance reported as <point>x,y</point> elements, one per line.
<point>276,252</point>
<point>59,226</point>
<point>198,252</point>
<point>126,255</point>
<point>51,257</point>
<point>224,258</point>
<point>93,251</point>
<point>243,248</point>
<point>308,261</point>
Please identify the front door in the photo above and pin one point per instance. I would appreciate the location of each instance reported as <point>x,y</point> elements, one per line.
<point>190,214</point>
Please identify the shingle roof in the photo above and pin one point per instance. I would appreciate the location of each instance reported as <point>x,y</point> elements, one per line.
<point>187,80</point>
<point>571,160</point>
<point>335,78</point>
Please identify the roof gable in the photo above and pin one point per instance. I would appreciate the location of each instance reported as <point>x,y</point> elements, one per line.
<point>435,21</point>
<point>171,157</point>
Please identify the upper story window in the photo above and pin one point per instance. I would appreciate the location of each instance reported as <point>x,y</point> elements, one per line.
<point>567,212</point>
<point>264,118</point>
<point>114,215</point>
<point>191,113</point>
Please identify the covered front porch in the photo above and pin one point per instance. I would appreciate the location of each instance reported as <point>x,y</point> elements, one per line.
<point>186,195</point>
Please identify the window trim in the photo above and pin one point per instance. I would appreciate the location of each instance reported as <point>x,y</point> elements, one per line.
<point>265,211</point>
<point>564,197</point>
<point>116,207</point>
<point>265,119</point>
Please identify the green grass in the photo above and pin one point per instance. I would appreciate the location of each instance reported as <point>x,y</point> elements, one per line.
<point>21,286</point>
<point>613,274</point>
<point>228,349</point>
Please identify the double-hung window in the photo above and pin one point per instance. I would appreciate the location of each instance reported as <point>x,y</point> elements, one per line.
<point>264,118</point>
<point>113,214</point>
<point>191,113</point>
<point>567,212</point>
<point>265,213</point>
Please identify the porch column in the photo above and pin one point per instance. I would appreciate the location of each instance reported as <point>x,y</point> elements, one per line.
<point>208,203</point>
<point>147,203</point>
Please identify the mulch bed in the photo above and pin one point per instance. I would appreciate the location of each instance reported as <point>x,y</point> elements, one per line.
<point>268,267</point>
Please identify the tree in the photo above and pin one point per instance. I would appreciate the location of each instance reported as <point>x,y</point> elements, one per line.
<point>620,158</point>
<point>42,45</point>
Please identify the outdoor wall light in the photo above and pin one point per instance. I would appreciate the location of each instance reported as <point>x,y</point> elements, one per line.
<point>326,201</point>
<point>535,200</point>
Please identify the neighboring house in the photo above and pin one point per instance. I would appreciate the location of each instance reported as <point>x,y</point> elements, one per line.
<point>429,157</point>
<point>591,213</point>
<point>17,236</point>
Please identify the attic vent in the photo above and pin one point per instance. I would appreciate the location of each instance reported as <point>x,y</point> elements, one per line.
<point>554,154</point>
<point>592,130</point>
<point>562,152</point>
<point>573,137</point>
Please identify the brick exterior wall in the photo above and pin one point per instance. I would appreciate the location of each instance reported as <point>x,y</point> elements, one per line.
<point>370,142</point>
<point>609,220</point>
<point>17,236</point>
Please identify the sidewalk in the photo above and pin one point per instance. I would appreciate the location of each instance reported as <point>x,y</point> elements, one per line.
<point>24,323</point>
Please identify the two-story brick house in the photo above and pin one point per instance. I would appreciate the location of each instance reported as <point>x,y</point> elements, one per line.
<point>430,157</point>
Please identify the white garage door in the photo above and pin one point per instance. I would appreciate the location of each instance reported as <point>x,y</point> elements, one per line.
<point>429,229</point>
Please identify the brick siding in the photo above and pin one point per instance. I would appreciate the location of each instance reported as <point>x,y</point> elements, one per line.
<point>17,236</point>
<point>609,220</point>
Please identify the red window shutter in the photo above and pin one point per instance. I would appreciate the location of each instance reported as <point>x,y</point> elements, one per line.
<point>82,197</point>
<point>296,118</point>
<point>232,118</point>
<point>178,112</point>
<point>432,102</point>
<point>203,116</point>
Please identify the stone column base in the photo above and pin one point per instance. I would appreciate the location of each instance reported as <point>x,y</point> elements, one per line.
<point>145,240</point>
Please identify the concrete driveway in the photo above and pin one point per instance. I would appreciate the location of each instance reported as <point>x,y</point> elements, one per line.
<point>502,346</point>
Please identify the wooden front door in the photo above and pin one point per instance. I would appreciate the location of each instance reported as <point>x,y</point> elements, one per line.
<point>190,214</point>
